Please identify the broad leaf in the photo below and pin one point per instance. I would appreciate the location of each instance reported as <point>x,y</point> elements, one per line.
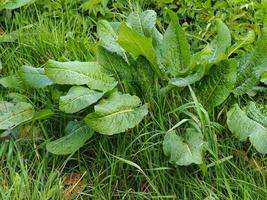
<point>34,77</point>
<point>264,78</point>
<point>243,127</point>
<point>190,79</point>
<point>184,151</point>
<point>221,43</point>
<point>138,45</point>
<point>175,49</point>
<point>215,87</point>
<point>78,98</point>
<point>251,66</point>
<point>13,4</point>
<point>115,65</point>
<point>258,113</point>
<point>143,22</point>
<point>109,37</point>
<point>12,115</point>
<point>79,73</point>
<point>76,136</point>
<point>116,114</point>
<point>11,82</point>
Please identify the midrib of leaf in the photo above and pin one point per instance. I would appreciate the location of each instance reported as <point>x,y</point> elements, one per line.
<point>140,22</point>
<point>68,70</point>
<point>119,112</point>
<point>181,58</point>
<point>69,135</point>
<point>213,89</point>
<point>76,99</point>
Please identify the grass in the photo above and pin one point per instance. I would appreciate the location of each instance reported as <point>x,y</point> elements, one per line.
<point>125,166</point>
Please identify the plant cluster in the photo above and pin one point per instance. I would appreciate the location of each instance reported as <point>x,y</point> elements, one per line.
<point>135,61</point>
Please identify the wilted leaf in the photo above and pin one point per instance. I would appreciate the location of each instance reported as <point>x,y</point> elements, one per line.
<point>78,98</point>
<point>116,114</point>
<point>76,136</point>
<point>73,185</point>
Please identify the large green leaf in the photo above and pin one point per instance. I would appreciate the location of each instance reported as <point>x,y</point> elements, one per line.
<point>143,22</point>
<point>138,45</point>
<point>12,81</point>
<point>34,77</point>
<point>116,114</point>
<point>243,127</point>
<point>12,115</point>
<point>264,78</point>
<point>78,98</point>
<point>184,150</point>
<point>76,136</point>
<point>13,4</point>
<point>258,113</point>
<point>175,49</point>
<point>109,37</point>
<point>115,65</point>
<point>251,66</point>
<point>79,73</point>
<point>215,87</point>
<point>221,43</point>
<point>190,79</point>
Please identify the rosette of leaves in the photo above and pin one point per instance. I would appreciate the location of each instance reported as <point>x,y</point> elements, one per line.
<point>168,57</point>
<point>249,123</point>
<point>88,86</point>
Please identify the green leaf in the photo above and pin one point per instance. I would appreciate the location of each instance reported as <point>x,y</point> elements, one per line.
<point>264,78</point>
<point>115,65</point>
<point>76,136</point>
<point>175,49</point>
<point>258,113</point>
<point>138,45</point>
<point>13,4</point>
<point>184,151</point>
<point>143,22</point>
<point>79,73</point>
<point>109,37</point>
<point>221,43</point>
<point>116,114</point>
<point>243,127</point>
<point>215,87</point>
<point>78,98</point>
<point>11,82</point>
<point>34,77</point>
<point>12,115</point>
<point>190,79</point>
<point>251,66</point>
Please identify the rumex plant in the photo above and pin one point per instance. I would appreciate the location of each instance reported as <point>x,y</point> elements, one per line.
<point>135,62</point>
